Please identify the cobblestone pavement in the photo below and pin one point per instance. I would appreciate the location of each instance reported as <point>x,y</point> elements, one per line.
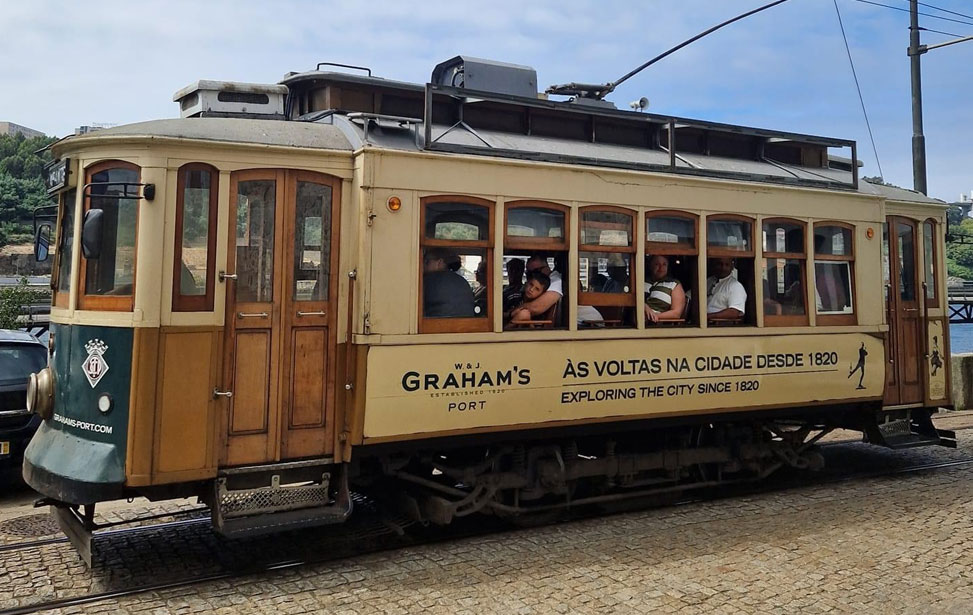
<point>900,544</point>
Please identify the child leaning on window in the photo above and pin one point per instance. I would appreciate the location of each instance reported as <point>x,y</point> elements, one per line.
<point>537,284</point>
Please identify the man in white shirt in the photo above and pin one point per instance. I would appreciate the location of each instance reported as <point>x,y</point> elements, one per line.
<point>726,297</point>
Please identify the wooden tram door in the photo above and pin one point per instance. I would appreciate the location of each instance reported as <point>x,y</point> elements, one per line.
<point>903,300</point>
<point>280,316</point>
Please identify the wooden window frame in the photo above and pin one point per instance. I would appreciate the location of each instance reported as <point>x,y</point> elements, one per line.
<point>107,303</point>
<point>934,301</point>
<point>671,249</point>
<point>788,320</point>
<point>62,298</point>
<point>609,299</point>
<point>837,319</point>
<point>536,244</point>
<point>664,248</point>
<point>457,325</point>
<point>204,302</point>
<point>722,251</point>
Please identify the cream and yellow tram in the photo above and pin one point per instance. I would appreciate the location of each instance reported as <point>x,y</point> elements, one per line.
<point>241,307</point>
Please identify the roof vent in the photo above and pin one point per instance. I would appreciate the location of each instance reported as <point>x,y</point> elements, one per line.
<point>486,76</point>
<point>231,99</point>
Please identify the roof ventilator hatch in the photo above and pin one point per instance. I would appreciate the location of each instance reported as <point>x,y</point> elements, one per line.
<point>231,99</point>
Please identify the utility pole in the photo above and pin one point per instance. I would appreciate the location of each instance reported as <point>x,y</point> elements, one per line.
<point>918,139</point>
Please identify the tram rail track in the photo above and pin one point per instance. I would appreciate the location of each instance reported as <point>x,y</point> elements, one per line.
<point>41,542</point>
<point>399,539</point>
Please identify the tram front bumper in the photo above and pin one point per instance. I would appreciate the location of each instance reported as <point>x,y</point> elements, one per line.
<point>73,470</point>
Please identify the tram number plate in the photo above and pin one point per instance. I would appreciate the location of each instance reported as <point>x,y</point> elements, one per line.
<point>4,449</point>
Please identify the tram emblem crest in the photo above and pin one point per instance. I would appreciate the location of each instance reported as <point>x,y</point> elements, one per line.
<point>95,367</point>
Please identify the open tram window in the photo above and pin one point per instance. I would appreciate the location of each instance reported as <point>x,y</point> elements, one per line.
<point>64,255</point>
<point>671,261</point>
<point>834,259</point>
<point>730,270</point>
<point>456,264</point>
<point>930,278</point>
<point>784,273</point>
<point>606,267</point>
<point>195,249</point>
<point>108,277</point>
<point>535,248</point>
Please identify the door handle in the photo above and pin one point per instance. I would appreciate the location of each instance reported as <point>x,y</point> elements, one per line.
<point>218,393</point>
<point>320,313</point>
<point>224,276</point>
<point>252,314</point>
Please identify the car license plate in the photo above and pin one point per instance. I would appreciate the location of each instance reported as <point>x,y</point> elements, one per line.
<point>4,449</point>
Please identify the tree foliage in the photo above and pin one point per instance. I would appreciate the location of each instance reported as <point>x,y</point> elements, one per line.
<point>13,301</point>
<point>21,183</point>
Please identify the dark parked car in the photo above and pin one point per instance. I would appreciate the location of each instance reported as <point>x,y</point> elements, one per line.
<point>20,355</point>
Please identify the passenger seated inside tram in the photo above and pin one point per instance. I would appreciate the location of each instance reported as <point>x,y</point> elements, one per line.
<point>665,298</point>
<point>480,294</point>
<point>513,292</point>
<point>537,284</point>
<point>726,298</point>
<point>617,281</point>
<point>553,294</point>
<point>445,294</point>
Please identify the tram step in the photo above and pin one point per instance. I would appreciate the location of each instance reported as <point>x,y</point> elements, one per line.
<point>906,433</point>
<point>262,510</point>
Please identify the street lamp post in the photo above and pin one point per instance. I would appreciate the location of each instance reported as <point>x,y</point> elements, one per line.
<point>918,139</point>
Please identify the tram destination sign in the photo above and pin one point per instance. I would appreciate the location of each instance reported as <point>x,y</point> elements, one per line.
<point>56,174</point>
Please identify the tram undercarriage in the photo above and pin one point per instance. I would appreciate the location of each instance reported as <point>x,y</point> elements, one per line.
<point>523,479</point>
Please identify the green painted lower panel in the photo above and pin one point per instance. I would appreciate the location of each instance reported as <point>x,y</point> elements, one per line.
<point>79,454</point>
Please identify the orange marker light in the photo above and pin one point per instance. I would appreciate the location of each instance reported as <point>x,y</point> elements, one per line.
<point>870,232</point>
<point>394,203</point>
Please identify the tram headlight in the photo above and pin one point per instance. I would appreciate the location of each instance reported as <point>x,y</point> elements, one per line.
<point>105,403</point>
<point>40,393</point>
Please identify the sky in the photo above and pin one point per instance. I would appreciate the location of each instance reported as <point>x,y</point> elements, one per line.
<point>66,64</point>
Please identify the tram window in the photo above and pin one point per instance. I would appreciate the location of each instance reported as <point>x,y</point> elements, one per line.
<point>833,274</point>
<point>929,257</point>
<point>785,298</point>
<point>906,242</point>
<point>671,262</point>
<point>535,239</point>
<point>108,279</point>
<point>606,273</point>
<point>256,206</point>
<point>456,265</point>
<point>312,247</point>
<point>730,271</point>
<point>65,243</point>
<point>196,207</point>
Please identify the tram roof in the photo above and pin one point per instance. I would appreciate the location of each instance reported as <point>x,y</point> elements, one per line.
<point>233,130</point>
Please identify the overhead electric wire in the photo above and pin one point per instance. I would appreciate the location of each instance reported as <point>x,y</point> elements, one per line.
<point>859,88</point>
<point>936,8</point>
<point>897,8</point>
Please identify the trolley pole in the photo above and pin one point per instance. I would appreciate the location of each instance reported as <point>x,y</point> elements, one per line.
<point>918,139</point>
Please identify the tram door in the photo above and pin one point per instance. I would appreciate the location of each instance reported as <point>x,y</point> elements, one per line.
<point>903,299</point>
<point>280,316</point>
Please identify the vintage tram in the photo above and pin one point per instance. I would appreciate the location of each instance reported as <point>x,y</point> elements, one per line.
<point>242,311</point>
